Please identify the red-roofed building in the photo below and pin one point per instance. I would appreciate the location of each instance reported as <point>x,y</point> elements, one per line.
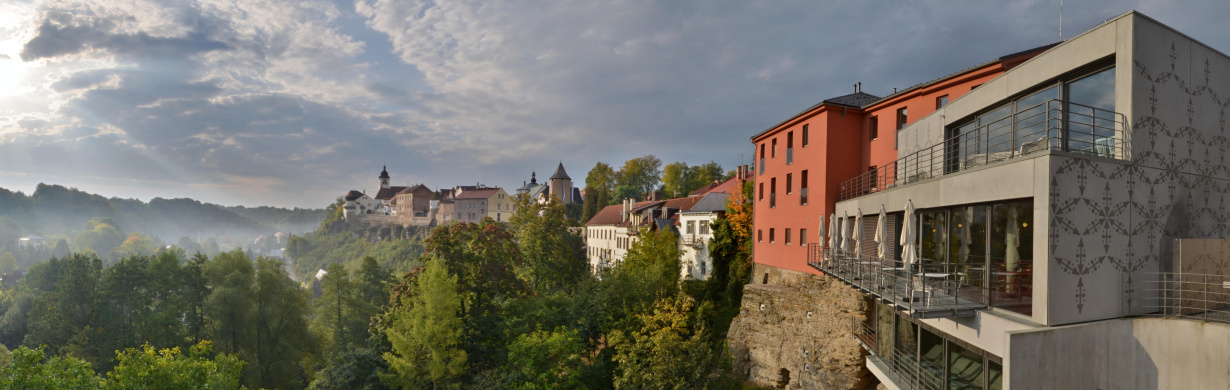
<point>611,232</point>
<point>472,204</point>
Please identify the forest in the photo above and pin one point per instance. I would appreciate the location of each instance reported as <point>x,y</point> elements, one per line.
<point>471,306</point>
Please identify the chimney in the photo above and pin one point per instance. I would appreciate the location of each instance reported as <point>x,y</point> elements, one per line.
<point>623,214</point>
<point>860,87</point>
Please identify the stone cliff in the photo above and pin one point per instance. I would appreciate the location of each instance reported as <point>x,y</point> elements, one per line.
<point>796,334</point>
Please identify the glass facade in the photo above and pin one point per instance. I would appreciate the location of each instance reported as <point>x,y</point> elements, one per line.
<point>929,360</point>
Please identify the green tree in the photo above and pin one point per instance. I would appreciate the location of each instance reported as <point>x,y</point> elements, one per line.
<point>8,263</point>
<point>374,285</point>
<point>32,369</point>
<point>547,360</point>
<point>589,207</point>
<point>625,192</point>
<point>553,256</point>
<point>601,178</point>
<point>63,315</point>
<point>669,351</point>
<point>676,179</point>
<point>426,332</point>
<point>339,319</point>
<point>228,309</point>
<point>357,368</point>
<point>101,235</point>
<point>705,174</point>
<point>147,368</point>
<point>281,336</point>
<point>641,173</point>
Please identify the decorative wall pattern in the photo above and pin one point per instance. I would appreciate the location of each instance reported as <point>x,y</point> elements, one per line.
<point>1112,223</point>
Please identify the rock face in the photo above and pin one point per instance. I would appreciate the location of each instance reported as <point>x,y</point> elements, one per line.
<point>796,334</point>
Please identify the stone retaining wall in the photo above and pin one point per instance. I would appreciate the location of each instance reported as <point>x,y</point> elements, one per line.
<point>795,333</point>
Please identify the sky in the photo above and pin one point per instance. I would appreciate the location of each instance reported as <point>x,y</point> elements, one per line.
<point>293,103</point>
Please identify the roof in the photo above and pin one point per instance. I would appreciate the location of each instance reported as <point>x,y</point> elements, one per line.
<point>559,173</point>
<point>477,194</point>
<point>352,195</point>
<point>713,201</point>
<point>609,215</point>
<point>857,99</point>
<point>388,193</point>
<point>414,188</point>
<point>384,173</point>
<point>862,100</point>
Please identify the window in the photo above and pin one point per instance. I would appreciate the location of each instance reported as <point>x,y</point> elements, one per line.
<point>805,136</point>
<point>761,191</point>
<point>691,227</point>
<point>874,128</point>
<point>941,101</point>
<point>787,236</point>
<point>902,118</point>
<point>772,198</point>
<point>704,227</point>
<point>789,178</point>
<point>774,148</point>
<point>802,188</point>
<point>760,235</point>
<point>802,237</point>
<point>789,147</point>
<point>761,150</point>
<point>771,235</point>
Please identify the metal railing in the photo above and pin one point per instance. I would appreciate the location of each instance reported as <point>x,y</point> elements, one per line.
<point>927,288</point>
<point>1193,296</point>
<point>865,333</point>
<point>1050,125</point>
<point>693,240</point>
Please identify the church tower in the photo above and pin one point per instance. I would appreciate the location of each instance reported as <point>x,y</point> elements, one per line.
<point>561,185</point>
<point>384,178</point>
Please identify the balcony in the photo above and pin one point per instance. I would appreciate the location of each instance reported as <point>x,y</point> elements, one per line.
<point>1053,125</point>
<point>926,289</point>
<point>693,240</point>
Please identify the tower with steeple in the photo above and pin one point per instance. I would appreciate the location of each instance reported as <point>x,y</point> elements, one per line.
<point>561,185</point>
<point>384,177</point>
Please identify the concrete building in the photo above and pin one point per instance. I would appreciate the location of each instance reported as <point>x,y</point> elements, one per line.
<point>695,234</point>
<point>358,203</point>
<point>412,205</point>
<point>613,230</point>
<point>32,242</point>
<point>472,204</point>
<point>1029,233</point>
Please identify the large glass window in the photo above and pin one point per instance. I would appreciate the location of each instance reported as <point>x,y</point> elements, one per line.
<point>931,359</point>
<point>1034,115</point>
<point>1091,122</point>
<point>1012,256</point>
<point>934,236</point>
<point>968,250</point>
<point>964,368</point>
<point>905,344</point>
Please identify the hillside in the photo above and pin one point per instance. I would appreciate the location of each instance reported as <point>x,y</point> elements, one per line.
<point>54,210</point>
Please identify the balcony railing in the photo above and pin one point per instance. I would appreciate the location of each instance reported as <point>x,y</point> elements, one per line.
<point>926,289</point>
<point>789,156</point>
<point>1194,296</point>
<point>1050,125</point>
<point>693,240</point>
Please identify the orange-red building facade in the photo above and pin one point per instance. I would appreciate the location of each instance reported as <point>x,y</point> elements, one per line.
<point>831,143</point>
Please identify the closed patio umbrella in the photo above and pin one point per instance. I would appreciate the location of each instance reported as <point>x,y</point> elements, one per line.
<point>909,235</point>
<point>822,230</point>
<point>882,234</point>
<point>845,232</point>
<point>858,233</point>
<point>833,232</point>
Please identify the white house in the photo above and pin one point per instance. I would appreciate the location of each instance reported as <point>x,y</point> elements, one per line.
<point>695,234</point>
<point>32,243</point>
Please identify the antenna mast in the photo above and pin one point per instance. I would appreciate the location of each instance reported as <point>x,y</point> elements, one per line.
<point>1061,20</point>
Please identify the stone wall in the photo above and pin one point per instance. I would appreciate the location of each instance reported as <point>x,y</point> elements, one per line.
<point>795,333</point>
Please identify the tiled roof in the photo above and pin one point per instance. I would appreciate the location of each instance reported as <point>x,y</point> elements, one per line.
<point>857,99</point>
<point>478,194</point>
<point>560,174</point>
<point>414,188</point>
<point>609,215</point>
<point>386,193</point>
<point>352,195</point>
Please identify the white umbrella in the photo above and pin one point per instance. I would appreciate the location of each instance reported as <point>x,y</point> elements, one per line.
<point>909,236</point>
<point>845,233</point>
<point>1013,241</point>
<point>833,232</point>
<point>858,233</point>
<point>821,230</point>
<point>882,233</point>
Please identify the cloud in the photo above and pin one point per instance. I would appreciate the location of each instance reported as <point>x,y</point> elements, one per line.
<point>294,102</point>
